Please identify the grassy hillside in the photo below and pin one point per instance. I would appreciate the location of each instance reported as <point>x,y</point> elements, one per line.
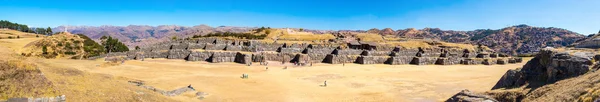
<point>13,34</point>
<point>22,76</point>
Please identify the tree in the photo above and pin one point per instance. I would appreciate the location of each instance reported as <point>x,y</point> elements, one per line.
<point>113,45</point>
<point>44,50</point>
<point>268,31</point>
<point>174,38</point>
<point>48,31</point>
<point>137,47</point>
<point>301,29</point>
<point>91,47</point>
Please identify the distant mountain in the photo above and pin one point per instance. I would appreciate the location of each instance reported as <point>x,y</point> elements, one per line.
<point>519,39</point>
<point>140,35</point>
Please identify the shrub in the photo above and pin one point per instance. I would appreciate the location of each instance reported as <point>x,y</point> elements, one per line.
<point>10,37</point>
<point>70,53</point>
<point>44,50</point>
<point>91,47</point>
<point>229,34</point>
<point>18,37</point>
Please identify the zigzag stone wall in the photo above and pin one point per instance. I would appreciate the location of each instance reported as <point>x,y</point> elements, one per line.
<point>217,50</point>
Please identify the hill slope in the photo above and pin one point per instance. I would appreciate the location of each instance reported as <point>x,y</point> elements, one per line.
<point>520,39</point>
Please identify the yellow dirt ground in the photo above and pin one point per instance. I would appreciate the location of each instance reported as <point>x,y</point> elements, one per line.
<point>352,82</point>
<point>76,85</point>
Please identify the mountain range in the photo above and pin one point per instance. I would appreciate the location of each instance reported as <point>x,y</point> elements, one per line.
<point>519,39</point>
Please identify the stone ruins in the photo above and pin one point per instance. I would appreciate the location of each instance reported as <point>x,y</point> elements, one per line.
<point>217,50</point>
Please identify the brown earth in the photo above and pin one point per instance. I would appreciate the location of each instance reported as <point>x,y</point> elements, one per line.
<point>350,82</point>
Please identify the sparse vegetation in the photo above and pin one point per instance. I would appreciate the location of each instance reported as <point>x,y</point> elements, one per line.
<point>21,79</point>
<point>236,35</point>
<point>44,50</point>
<point>113,45</point>
<point>485,33</point>
<point>91,47</point>
<point>174,38</point>
<point>70,53</point>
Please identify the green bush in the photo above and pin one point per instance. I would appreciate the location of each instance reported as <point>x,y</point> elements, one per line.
<point>91,47</point>
<point>229,34</point>
<point>44,50</point>
<point>113,45</point>
<point>70,53</point>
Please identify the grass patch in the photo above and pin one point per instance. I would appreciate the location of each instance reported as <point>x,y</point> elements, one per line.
<point>21,79</point>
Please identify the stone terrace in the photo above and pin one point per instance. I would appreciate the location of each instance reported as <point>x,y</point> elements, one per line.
<point>217,50</point>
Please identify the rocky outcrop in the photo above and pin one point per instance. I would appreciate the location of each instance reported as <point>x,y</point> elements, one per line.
<point>468,96</point>
<point>554,75</point>
<point>548,66</point>
<point>61,98</point>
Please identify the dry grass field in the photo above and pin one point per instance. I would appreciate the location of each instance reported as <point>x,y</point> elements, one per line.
<point>5,33</point>
<point>352,82</point>
<point>33,77</point>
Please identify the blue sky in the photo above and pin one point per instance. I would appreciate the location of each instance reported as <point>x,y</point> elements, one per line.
<point>582,16</point>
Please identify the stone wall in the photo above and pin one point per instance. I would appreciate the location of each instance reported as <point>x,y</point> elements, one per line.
<point>372,59</point>
<point>61,98</point>
<point>220,50</point>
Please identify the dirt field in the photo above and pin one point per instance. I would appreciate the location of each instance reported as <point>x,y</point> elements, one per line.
<point>348,83</point>
<point>352,82</point>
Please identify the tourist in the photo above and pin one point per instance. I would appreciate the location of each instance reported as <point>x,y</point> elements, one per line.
<point>190,86</point>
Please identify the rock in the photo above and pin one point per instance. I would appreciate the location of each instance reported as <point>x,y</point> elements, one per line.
<point>511,79</point>
<point>371,59</point>
<point>471,61</point>
<point>423,60</point>
<point>548,66</point>
<point>468,96</point>
<point>502,61</point>
<point>489,62</point>
<point>201,95</point>
<point>399,60</point>
<point>61,98</point>
<point>448,61</point>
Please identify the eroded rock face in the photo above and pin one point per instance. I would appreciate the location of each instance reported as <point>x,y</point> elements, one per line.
<point>548,66</point>
<point>554,75</point>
